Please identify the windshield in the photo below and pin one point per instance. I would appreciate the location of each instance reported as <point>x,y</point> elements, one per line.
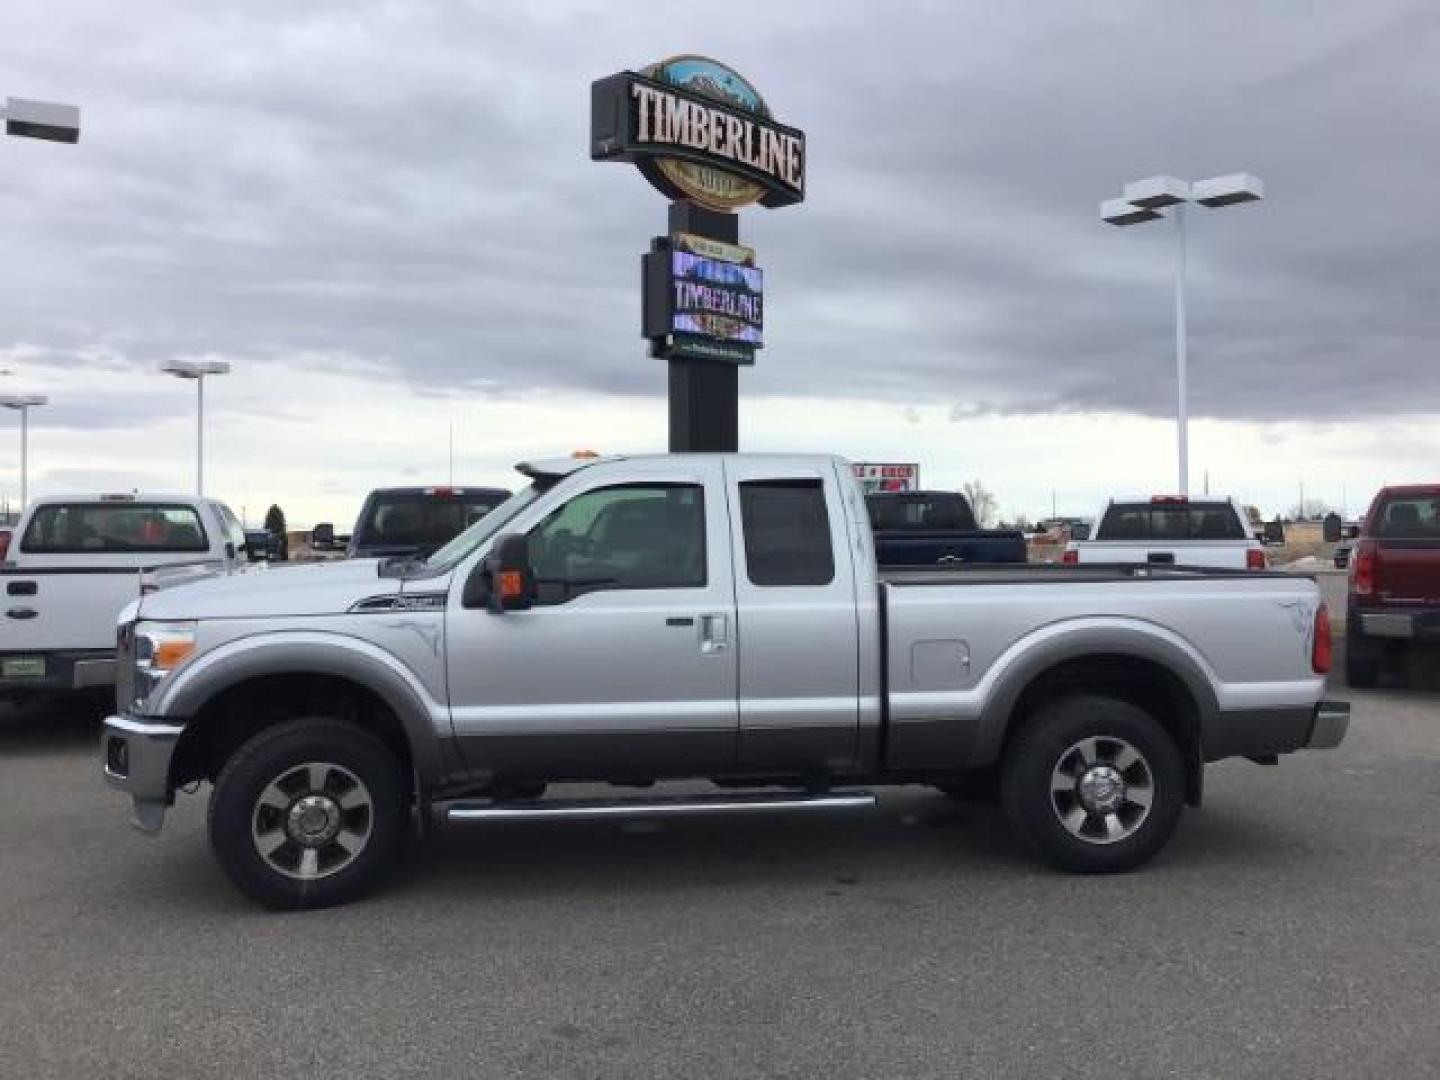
<point>456,550</point>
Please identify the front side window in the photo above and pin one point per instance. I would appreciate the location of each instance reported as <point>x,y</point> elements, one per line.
<point>86,528</point>
<point>787,533</point>
<point>632,536</point>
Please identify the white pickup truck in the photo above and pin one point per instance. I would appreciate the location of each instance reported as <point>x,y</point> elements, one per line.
<point>1170,531</point>
<point>73,562</point>
<point>702,616</point>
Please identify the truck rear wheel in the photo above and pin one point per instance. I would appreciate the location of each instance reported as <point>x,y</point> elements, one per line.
<point>1093,785</point>
<point>308,813</point>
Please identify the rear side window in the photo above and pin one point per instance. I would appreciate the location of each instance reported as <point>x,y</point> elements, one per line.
<point>87,528</point>
<point>920,513</point>
<point>1170,521</point>
<point>423,519</point>
<point>787,533</point>
<point>1414,518</point>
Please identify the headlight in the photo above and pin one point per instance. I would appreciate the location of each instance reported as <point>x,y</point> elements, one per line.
<point>159,649</point>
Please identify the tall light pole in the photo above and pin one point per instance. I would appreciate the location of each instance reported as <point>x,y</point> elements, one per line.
<point>1142,202</point>
<point>197,370</point>
<point>23,403</point>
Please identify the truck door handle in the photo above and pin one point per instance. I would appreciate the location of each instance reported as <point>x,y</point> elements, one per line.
<point>22,588</point>
<point>22,613</point>
<point>714,633</point>
<point>679,620</point>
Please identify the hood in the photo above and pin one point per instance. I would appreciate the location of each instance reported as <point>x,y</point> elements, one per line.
<point>322,588</point>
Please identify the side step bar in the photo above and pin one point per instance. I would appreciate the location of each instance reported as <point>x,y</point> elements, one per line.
<point>668,806</point>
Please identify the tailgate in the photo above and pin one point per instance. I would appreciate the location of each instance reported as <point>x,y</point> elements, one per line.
<point>1408,571</point>
<point>1226,555</point>
<point>46,611</point>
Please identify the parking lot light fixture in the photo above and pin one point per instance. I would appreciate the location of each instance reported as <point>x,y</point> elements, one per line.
<point>198,370</point>
<point>47,120</point>
<point>23,403</point>
<point>1147,200</point>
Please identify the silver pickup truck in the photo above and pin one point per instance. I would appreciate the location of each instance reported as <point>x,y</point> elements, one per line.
<point>710,617</point>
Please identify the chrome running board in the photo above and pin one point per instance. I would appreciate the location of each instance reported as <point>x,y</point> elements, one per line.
<point>674,806</point>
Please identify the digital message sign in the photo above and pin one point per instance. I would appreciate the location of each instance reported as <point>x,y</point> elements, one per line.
<point>700,306</point>
<point>716,299</point>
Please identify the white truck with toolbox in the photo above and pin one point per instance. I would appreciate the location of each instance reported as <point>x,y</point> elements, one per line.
<point>72,564</point>
<point>702,617</point>
<point>1170,531</point>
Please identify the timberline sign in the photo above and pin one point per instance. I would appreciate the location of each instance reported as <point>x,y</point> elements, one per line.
<point>698,130</point>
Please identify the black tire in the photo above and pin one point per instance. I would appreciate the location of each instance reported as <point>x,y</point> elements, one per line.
<point>267,763</point>
<point>1046,746</point>
<point>1362,667</point>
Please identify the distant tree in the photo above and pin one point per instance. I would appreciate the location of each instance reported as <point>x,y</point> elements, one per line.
<point>275,526</point>
<point>982,501</point>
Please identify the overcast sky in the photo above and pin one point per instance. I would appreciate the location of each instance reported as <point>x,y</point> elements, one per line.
<point>385,216</point>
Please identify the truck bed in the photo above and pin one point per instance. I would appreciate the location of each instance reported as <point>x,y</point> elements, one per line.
<point>1057,572</point>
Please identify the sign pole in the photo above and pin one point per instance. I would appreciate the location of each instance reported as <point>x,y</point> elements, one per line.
<point>704,394</point>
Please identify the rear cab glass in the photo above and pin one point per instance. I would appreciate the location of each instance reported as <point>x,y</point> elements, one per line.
<point>89,528</point>
<point>928,512</point>
<point>1170,521</point>
<point>1409,517</point>
<point>423,517</point>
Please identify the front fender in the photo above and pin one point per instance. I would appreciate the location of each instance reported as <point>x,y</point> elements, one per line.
<point>425,721</point>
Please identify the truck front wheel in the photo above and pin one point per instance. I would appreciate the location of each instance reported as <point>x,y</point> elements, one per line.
<point>308,813</point>
<point>1093,785</point>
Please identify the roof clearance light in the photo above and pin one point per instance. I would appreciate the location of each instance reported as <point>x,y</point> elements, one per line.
<point>585,455</point>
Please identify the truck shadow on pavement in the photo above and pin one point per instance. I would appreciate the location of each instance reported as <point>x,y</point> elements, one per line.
<point>50,725</point>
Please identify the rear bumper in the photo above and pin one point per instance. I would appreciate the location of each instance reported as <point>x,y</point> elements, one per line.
<point>1264,733</point>
<point>135,756</point>
<point>1403,624</point>
<point>1332,722</point>
<point>73,670</point>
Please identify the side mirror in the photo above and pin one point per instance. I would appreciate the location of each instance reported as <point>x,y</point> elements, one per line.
<point>504,580</point>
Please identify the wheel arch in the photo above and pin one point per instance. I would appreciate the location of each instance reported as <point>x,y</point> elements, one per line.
<point>1139,665</point>
<point>252,683</point>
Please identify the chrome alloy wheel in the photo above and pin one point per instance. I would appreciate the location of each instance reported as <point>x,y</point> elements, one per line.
<point>313,820</point>
<point>1101,789</point>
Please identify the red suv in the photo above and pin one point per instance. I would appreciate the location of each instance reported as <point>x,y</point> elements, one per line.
<point>1394,596</point>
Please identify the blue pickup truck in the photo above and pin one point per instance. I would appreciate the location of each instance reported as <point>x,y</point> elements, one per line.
<point>936,528</point>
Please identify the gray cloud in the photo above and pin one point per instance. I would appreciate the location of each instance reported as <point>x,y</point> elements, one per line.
<point>405,189</point>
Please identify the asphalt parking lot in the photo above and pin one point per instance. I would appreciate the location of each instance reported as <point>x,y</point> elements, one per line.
<point>1291,929</point>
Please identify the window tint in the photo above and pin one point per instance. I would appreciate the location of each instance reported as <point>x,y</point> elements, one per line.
<point>1414,518</point>
<point>421,519</point>
<point>633,536</point>
<point>81,528</point>
<point>1170,521</point>
<point>787,533</point>
<point>935,510</point>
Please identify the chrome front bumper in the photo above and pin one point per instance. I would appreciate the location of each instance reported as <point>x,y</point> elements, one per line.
<point>135,753</point>
<point>1332,721</point>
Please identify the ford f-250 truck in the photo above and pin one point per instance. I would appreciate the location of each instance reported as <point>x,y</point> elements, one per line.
<point>73,564</point>
<point>699,616</point>
<point>1171,531</point>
